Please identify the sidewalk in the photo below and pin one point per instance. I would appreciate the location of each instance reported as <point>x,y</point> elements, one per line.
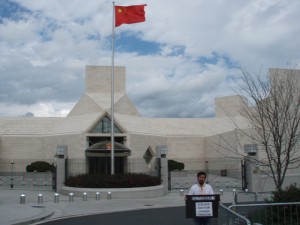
<point>12,212</point>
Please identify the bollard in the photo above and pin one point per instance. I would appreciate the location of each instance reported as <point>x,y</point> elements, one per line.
<point>22,199</point>
<point>40,199</point>
<point>109,195</point>
<point>234,196</point>
<point>56,197</point>
<point>84,196</point>
<point>256,196</point>
<point>181,192</point>
<point>221,192</point>
<point>71,197</point>
<point>97,196</point>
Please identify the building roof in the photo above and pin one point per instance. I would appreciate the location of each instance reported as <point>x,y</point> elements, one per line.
<point>181,126</point>
<point>46,125</point>
<point>95,103</point>
<point>131,124</point>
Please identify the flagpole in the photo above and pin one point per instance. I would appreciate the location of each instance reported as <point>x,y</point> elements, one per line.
<point>112,94</point>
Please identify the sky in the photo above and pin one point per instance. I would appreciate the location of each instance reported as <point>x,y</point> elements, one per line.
<point>177,62</point>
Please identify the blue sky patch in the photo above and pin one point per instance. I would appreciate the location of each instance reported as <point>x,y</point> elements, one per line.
<point>215,58</point>
<point>11,10</point>
<point>130,43</point>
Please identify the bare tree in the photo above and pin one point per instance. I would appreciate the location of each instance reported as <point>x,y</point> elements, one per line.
<point>275,117</point>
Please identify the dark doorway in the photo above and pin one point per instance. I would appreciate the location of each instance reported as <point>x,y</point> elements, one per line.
<point>99,165</point>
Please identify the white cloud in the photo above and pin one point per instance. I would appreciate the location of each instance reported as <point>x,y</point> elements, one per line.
<point>44,52</point>
<point>39,109</point>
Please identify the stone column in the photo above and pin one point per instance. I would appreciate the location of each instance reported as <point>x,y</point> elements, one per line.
<point>161,152</point>
<point>61,166</point>
<point>60,173</point>
<point>252,174</point>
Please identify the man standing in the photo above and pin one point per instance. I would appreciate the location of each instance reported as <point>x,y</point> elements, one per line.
<point>201,188</point>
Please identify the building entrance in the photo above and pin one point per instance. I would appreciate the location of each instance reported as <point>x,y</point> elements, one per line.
<point>99,158</point>
<point>98,165</point>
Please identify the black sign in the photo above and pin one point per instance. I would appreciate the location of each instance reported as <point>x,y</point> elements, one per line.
<point>202,205</point>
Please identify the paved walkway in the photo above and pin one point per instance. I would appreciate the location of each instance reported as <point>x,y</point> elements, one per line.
<point>12,212</point>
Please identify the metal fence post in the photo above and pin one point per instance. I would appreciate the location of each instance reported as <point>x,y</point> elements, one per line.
<point>54,178</point>
<point>234,196</point>
<point>12,174</point>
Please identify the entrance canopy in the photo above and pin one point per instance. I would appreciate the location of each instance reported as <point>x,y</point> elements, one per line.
<point>103,149</point>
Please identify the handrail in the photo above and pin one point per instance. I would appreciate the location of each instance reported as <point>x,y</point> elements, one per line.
<point>263,204</point>
<point>236,214</point>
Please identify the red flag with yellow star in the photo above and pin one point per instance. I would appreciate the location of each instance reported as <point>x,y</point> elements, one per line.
<point>129,14</point>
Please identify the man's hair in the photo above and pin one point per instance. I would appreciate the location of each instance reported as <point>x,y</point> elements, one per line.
<point>201,173</point>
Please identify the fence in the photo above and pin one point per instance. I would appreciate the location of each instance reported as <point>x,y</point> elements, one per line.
<point>13,175</point>
<point>219,174</point>
<point>229,217</point>
<point>270,213</point>
<point>44,181</point>
<point>185,179</point>
<point>243,197</point>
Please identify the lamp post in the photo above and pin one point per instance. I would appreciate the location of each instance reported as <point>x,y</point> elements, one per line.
<point>12,174</point>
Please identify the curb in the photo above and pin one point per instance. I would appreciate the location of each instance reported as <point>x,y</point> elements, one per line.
<point>48,213</point>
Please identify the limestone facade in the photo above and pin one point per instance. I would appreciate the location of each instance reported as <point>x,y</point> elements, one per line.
<point>194,141</point>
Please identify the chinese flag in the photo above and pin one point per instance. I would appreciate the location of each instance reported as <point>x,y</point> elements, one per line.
<point>129,14</point>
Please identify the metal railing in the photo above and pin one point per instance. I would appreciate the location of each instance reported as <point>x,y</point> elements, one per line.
<point>229,217</point>
<point>188,178</point>
<point>270,213</point>
<point>245,196</point>
<point>18,180</point>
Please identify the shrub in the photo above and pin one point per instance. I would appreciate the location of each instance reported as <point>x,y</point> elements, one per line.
<point>282,214</point>
<point>289,194</point>
<point>112,181</point>
<point>40,166</point>
<point>174,165</point>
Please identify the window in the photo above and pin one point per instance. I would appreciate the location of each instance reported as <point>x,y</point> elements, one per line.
<point>105,126</point>
<point>250,149</point>
<point>148,155</point>
<point>61,150</point>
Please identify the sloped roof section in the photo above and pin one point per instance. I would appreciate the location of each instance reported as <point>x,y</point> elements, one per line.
<point>197,126</point>
<point>125,106</point>
<point>181,126</point>
<point>46,125</point>
<point>75,124</point>
<point>133,124</point>
<point>86,105</point>
<point>27,125</point>
<point>103,99</point>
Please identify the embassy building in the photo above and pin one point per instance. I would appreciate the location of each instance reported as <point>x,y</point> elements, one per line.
<point>83,136</point>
